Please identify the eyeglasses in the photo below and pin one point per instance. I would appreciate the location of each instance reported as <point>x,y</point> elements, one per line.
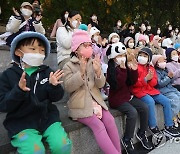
<point>86,44</point>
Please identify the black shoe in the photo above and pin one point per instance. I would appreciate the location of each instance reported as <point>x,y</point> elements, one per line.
<point>155,131</point>
<point>128,146</point>
<point>171,131</point>
<point>144,140</point>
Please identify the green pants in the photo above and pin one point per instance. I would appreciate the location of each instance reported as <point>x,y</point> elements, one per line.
<point>29,141</point>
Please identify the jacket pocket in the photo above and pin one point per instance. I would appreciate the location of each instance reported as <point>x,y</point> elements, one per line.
<point>77,100</point>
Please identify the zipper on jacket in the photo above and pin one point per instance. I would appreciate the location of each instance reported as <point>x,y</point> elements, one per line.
<point>37,78</point>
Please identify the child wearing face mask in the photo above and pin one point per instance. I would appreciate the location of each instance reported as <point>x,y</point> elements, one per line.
<point>145,90</point>
<point>27,90</point>
<point>142,30</point>
<point>99,48</point>
<point>23,21</point>
<point>64,36</point>
<point>156,46</point>
<point>121,75</point>
<point>113,38</point>
<point>164,84</point>
<point>82,79</point>
<point>173,66</point>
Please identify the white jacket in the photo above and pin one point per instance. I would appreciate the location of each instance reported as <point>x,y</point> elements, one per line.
<point>14,24</point>
<point>63,38</point>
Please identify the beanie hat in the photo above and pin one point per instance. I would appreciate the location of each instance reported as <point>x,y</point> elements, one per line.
<point>93,31</point>
<point>142,37</point>
<point>111,35</point>
<point>79,36</point>
<point>148,52</point>
<point>115,49</point>
<point>26,4</point>
<point>167,43</point>
<point>83,27</point>
<point>155,58</point>
<point>168,54</point>
<point>25,35</point>
<point>177,45</point>
<point>127,39</point>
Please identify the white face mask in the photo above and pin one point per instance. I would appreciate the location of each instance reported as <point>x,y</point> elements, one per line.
<point>162,65</point>
<point>143,28</point>
<point>121,60</point>
<point>131,45</point>
<point>66,16</point>
<point>96,38</point>
<point>158,32</point>
<point>33,59</point>
<point>175,58</point>
<point>119,24</point>
<point>115,40</point>
<point>142,60</point>
<point>26,12</point>
<point>74,23</point>
<point>159,44</point>
<point>177,30</point>
<point>140,43</point>
<point>170,28</point>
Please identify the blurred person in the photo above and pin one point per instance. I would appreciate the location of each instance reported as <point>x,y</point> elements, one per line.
<point>23,21</point>
<point>64,37</point>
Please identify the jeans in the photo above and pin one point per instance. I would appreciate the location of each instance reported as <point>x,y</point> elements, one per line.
<point>165,102</point>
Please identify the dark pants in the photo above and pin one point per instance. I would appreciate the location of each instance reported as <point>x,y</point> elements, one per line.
<point>131,110</point>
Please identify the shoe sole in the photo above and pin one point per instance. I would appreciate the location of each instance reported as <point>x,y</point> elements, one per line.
<point>143,143</point>
<point>170,135</point>
<point>124,146</point>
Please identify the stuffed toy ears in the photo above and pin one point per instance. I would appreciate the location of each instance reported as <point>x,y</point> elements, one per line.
<point>108,52</point>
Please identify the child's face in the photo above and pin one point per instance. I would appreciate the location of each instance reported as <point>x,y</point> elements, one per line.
<point>33,48</point>
<point>143,54</point>
<point>174,53</point>
<point>161,60</point>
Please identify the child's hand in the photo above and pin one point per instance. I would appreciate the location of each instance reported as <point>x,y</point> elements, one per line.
<point>170,74</point>
<point>22,83</point>
<point>15,12</point>
<point>122,65</point>
<point>97,65</point>
<point>83,63</point>
<point>150,74</point>
<point>38,17</point>
<point>55,77</point>
<point>132,64</point>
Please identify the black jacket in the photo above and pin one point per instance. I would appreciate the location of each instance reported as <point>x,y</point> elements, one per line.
<point>28,110</point>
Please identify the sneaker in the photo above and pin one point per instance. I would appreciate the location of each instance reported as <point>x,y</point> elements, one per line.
<point>144,140</point>
<point>128,146</point>
<point>171,131</point>
<point>155,131</point>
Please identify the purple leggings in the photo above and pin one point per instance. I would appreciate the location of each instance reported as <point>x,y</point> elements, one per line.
<point>105,132</point>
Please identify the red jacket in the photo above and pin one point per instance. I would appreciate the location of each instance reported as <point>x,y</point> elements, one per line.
<point>141,87</point>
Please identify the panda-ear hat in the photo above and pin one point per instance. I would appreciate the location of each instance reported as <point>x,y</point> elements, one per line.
<point>116,49</point>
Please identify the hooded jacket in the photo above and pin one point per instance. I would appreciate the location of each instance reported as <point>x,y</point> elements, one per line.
<point>32,109</point>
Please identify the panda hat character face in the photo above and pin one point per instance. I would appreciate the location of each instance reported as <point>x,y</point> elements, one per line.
<point>117,51</point>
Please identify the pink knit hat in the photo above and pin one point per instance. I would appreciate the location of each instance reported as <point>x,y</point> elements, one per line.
<point>155,58</point>
<point>79,37</point>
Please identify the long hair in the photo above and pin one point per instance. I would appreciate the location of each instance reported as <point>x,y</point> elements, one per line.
<point>112,80</point>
